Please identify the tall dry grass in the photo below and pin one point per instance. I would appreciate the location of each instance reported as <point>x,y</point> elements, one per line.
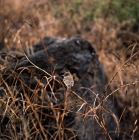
<point>117,49</point>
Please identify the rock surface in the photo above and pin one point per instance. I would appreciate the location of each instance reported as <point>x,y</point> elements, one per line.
<point>87,115</point>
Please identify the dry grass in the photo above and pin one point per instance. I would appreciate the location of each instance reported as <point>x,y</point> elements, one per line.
<point>118,51</point>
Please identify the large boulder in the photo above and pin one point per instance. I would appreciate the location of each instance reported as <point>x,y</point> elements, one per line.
<point>35,85</point>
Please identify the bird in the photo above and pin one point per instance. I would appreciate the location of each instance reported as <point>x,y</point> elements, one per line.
<point>68,79</point>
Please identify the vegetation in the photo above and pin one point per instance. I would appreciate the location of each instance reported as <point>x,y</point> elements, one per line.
<point>112,27</point>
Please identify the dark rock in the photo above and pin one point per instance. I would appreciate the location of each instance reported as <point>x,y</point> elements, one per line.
<point>87,116</point>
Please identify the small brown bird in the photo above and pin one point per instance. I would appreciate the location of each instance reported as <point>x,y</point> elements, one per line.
<point>68,79</point>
